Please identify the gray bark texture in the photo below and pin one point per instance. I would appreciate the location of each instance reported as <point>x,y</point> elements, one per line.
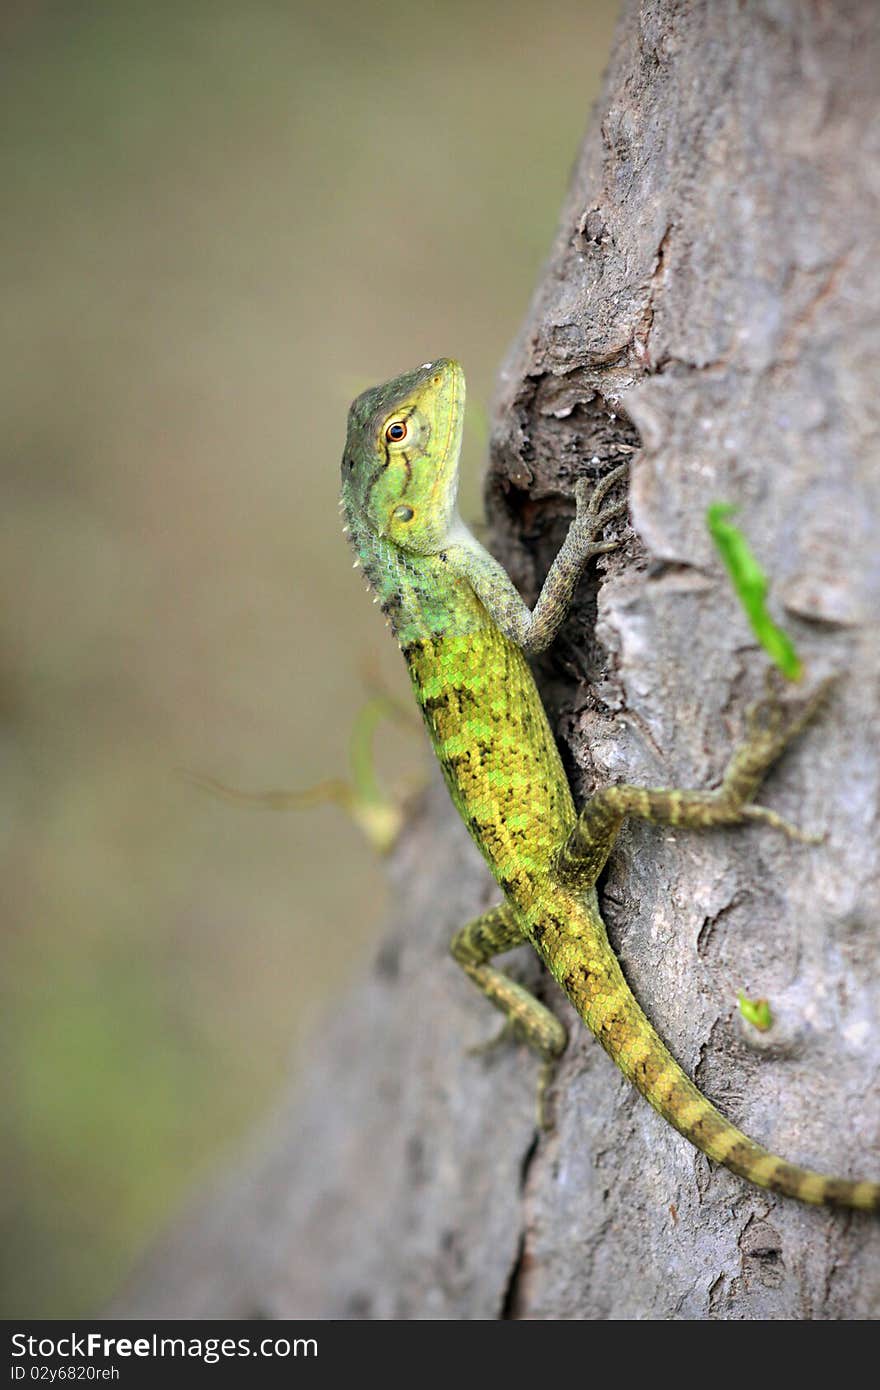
<point>711,309</point>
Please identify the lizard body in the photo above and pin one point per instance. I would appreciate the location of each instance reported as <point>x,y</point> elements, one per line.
<point>464,632</point>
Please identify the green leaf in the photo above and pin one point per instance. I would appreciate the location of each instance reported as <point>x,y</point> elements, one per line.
<point>750,583</point>
<point>757,1012</point>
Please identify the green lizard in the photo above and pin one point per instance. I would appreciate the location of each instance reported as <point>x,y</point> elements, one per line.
<point>464,632</point>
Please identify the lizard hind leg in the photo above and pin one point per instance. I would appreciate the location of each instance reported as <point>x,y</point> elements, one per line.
<point>770,728</point>
<point>525,1016</point>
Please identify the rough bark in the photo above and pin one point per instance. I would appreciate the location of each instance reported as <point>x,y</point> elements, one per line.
<point>712,304</point>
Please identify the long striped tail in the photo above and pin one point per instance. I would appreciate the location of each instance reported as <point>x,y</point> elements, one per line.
<point>593,980</point>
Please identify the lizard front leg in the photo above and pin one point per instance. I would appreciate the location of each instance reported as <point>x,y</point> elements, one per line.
<point>770,729</point>
<point>534,629</point>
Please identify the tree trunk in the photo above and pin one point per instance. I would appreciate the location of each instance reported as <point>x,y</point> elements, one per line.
<point>710,310</point>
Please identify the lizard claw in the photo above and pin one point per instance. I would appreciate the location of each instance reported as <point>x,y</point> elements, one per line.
<point>591,520</point>
<point>506,1034</point>
<point>772,719</point>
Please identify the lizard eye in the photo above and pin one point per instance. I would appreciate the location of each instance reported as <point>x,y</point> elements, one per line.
<point>396,431</point>
<point>403,513</point>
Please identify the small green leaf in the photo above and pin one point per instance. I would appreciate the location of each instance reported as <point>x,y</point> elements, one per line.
<point>757,1012</point>
<point>750,583</point>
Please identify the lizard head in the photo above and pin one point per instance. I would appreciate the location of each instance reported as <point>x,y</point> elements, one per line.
<point>400,467</point>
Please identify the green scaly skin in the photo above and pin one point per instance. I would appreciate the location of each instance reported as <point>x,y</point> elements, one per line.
<point>464,630</point>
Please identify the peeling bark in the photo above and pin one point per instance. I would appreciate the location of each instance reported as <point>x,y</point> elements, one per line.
<point>710,309</point>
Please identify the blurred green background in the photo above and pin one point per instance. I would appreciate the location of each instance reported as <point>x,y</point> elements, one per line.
<point>221,221</point>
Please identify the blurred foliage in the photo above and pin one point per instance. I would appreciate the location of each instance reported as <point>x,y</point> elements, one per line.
<point>757,1012</point>
<point>221,221</point>
<point>752,587</point>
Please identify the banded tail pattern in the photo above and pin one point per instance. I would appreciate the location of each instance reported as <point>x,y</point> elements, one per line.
<point>594,982</point>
